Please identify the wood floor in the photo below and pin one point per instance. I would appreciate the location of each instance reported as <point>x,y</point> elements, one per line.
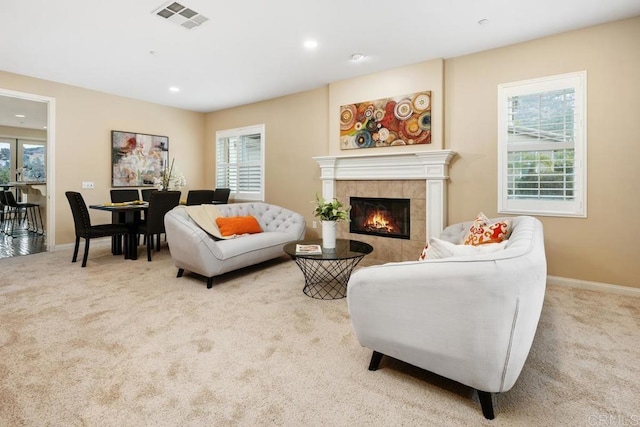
<point>23,242</point>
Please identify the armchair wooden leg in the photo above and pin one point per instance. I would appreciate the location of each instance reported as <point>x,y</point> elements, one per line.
<point>375,361</point>
<point>209,282</point>
<point>180,272</point>
<point>487,404</point>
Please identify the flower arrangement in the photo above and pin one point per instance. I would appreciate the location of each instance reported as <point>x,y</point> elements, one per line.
<point>169,179</point>
<point>330,210</point>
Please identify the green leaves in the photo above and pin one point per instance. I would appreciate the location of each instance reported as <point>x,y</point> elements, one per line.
<point>330,210</point>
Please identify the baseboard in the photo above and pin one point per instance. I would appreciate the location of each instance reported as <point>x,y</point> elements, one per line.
<point>95,243</point>
<point>593,286</point>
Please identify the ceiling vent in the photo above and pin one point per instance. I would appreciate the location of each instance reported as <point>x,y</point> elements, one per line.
<point>181,15</point>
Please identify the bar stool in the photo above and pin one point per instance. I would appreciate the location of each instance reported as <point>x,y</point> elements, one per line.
<point>4,211</point>
<point>24,211</point>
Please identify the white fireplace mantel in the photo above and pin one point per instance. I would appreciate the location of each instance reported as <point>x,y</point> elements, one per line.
<point>432,166</point>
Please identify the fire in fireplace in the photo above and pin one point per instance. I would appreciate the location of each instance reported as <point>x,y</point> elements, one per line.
<point>380,217</point>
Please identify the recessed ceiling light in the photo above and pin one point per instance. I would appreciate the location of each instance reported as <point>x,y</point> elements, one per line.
<point>22,116</point>
<point>357,57</point>
<point>311,44</point>
<point>174,89</point>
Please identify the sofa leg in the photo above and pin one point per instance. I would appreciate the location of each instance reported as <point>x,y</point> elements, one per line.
<point>209,282</point>
<point>180,272</point>
<point>487,404</point>
<point>375,361</point>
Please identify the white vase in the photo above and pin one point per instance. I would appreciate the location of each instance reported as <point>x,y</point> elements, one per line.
<point>329,234</point>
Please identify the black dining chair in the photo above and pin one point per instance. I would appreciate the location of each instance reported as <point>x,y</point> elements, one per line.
<point>200,197</point>
<point>160,202</point>
<point>221,196</point>
<point>84,229</point>
<point>120,196</point>
<point>146,193</point>
<point>124,195</point>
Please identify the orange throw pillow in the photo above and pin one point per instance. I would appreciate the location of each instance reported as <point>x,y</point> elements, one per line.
<point>484,231</point>
<point>238,225</point>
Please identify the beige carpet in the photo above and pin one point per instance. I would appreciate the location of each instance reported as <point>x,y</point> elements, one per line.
<point>127,343</point>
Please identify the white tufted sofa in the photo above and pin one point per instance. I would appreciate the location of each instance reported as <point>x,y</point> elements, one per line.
<point>194,250</point>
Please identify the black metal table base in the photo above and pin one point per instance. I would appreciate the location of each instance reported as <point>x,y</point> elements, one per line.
<point>326,279</point>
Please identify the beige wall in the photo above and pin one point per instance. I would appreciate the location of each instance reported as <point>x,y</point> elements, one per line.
<point>84,120</point>
<point>22,133</point>
<point>600,248</point>
<point>296,131</point>
<point>604,246</point>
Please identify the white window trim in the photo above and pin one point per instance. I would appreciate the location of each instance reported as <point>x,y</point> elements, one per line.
<point>577,207</point>
<point>247,130</point>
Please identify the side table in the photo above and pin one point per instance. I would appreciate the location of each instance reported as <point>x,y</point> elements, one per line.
<point>326,275</point>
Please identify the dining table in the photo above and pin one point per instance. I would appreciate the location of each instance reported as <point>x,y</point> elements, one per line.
<point>129,213</point>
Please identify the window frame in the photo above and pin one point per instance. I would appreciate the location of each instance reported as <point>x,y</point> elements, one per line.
<point>240,132</point>
<point>560,208</point>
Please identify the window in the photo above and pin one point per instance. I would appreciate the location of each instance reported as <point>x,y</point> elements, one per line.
<point>240,162</point>
<point>22,160</point>
<point>5,162</point>
<point>542,146</point>
<point>33,162</point>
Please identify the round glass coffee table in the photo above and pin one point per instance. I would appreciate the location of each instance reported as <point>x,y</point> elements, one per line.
<point>326,274</point>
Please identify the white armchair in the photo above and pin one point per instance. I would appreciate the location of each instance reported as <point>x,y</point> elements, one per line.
<point>468,318</point>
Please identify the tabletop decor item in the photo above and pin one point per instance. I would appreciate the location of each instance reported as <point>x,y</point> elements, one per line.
<point>330,212</point>
<point>170,179</point>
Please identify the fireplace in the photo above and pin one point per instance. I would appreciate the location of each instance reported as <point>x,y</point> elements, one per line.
<point>420,177</point>
<point>380,217</point>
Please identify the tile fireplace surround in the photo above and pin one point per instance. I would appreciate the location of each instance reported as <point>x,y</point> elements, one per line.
<point>421,177</point>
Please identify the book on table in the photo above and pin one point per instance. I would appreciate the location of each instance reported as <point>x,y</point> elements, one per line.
<point>308,249</point>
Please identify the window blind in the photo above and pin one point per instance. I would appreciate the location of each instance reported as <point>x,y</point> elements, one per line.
<point>540,150</point>
<point>239,164</point>
<point>542,146</point>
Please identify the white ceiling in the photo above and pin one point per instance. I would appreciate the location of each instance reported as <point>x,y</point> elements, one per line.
<point>251,50</point>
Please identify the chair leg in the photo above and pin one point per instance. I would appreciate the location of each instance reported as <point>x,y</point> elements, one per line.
<point>86,252</point>
<point>149,245</point>
<point>180,272</point>
<point>75,250</point>
<point>209,282</point>
<point>158,242</point>
<point>375,361</point>
<point>487,404</point>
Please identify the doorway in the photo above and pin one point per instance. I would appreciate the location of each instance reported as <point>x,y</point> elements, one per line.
<point>27,123</point>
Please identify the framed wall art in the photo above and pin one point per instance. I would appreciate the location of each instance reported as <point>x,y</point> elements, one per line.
<point>387,122</point>
<point>137,158</point>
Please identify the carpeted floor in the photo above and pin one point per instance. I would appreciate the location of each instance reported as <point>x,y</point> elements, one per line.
<point>127,343</point>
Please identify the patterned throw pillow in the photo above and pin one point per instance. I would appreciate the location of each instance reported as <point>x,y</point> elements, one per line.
<point>484,231</point>
<point>423,255</point>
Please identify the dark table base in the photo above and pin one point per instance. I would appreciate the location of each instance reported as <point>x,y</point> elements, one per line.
<point>326,279</point>
<point>326,275</point>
